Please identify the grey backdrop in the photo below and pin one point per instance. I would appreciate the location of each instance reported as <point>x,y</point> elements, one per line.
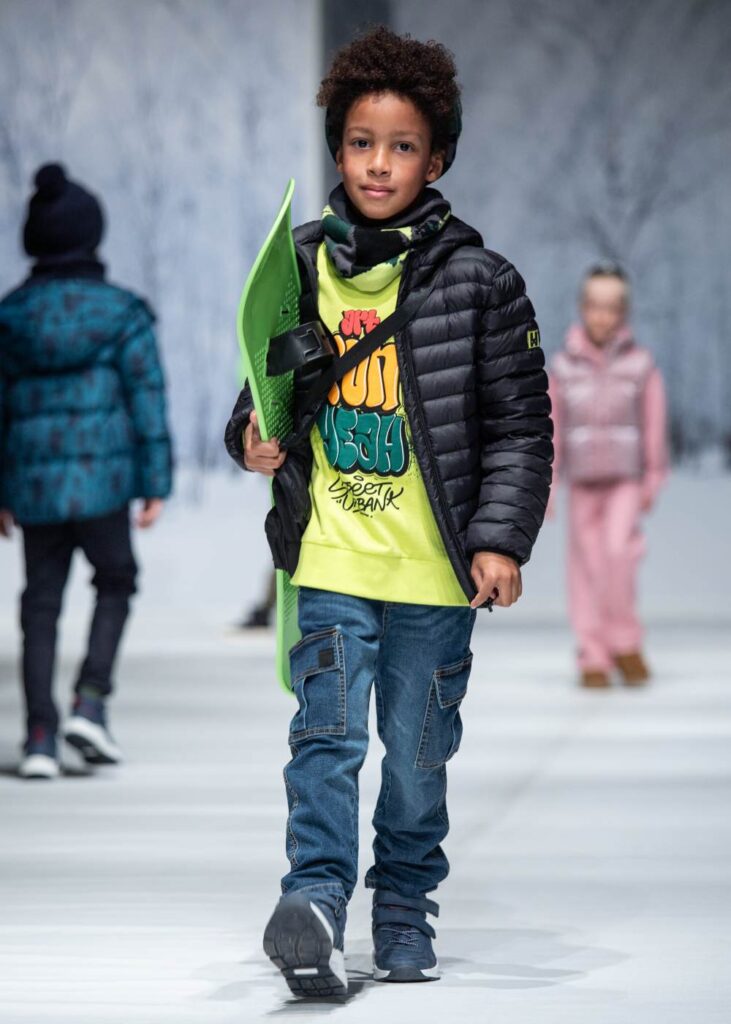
<point>591,129</point>
<point>597,128</point>
<point>188,117</point>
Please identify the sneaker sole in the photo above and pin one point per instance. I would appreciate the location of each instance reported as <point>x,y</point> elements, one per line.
<point>38,766</point>
<point>91,741</point>
<point>407,974</point>
<point>299,941</point>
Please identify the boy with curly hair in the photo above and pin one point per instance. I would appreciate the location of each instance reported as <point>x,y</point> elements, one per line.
<point>415,499</point>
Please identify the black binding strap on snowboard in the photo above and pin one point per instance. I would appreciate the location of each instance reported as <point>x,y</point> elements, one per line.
<point>309,345</point>
<point>337,369</point>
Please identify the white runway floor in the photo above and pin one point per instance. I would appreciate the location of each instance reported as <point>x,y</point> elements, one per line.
<point>591,877</point>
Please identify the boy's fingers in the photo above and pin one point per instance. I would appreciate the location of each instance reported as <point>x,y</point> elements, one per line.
<point>485,587</point>
<point>267,449</point>
<point>266,464</point>
<point>503,595</point>
<point>506,586</point>
<point>482,595</point>
<point>256,449</point>
<point>267,458</point>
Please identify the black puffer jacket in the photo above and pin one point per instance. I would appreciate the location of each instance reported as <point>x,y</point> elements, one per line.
<point>475,393</point>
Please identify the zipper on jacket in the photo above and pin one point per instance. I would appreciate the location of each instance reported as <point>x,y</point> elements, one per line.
<point>405,359</point>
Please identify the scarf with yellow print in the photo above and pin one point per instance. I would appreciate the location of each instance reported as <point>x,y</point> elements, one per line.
<point>369,253</point>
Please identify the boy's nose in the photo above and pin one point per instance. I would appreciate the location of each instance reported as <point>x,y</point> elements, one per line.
<point>380,163</point>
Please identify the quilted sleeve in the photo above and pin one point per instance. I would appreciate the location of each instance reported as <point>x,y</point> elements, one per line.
<point>144,390</point>
<point>515,424</point>
<point>233,436</point>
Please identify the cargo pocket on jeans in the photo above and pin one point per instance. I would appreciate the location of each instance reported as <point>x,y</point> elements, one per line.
<point>442,730</point>
<point>317,667</point>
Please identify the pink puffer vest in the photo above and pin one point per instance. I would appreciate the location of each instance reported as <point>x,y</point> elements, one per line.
<point>600,393</point>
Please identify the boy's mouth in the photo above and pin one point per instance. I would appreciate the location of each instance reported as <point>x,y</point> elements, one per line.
<point>377,191</point>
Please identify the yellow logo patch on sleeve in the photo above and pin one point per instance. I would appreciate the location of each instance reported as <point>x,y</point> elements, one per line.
<point>534,338</point>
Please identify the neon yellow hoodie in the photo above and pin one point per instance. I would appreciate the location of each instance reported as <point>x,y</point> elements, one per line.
<point>372,532</point>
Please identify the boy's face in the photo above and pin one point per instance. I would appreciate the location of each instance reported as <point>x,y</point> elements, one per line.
<point>386,157</point>
<point>603,308</point>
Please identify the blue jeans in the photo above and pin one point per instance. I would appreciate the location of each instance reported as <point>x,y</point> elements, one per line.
<point>419,658</point>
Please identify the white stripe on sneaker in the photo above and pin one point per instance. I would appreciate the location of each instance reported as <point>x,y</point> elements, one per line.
<point>337,959</point>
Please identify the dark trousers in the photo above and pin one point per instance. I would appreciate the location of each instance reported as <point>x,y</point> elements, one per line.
<point>106,543</point>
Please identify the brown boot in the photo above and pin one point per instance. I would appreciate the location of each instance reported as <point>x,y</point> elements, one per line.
<point>633,668</point>
<point>595,679</point>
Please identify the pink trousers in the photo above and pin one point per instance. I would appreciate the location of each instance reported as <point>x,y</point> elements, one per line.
<point>604,551</point>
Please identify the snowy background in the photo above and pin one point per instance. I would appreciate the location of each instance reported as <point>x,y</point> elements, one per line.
<point>602,129</point>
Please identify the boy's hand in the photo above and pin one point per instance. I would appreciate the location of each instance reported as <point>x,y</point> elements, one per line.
<point>149,513</point>
<point>6,523</point>
<point>495,576</point>
<point>261,456</point>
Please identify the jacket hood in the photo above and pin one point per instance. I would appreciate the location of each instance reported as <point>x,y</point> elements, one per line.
<point>579,346</point>
<point>60,324</point>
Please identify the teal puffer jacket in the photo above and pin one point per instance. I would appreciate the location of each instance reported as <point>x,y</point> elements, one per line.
<point>82,401</point>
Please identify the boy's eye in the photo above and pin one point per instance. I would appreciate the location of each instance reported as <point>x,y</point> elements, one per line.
<point>404,147</point>
<point>359,143</point>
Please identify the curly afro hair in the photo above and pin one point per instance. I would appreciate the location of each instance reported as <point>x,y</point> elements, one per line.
<point>382,61</point>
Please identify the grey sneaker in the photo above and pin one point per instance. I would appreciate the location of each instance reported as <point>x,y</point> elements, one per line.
<point>304,939</point>
<point>402,949</point>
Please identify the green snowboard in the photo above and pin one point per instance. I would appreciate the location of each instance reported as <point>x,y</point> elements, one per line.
<point>270,306</point>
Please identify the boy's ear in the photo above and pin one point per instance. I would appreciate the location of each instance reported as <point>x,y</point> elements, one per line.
<point>339,159</point>
<point>435,167</point>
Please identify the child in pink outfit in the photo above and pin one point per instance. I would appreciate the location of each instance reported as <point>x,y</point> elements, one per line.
<point>609,416</point>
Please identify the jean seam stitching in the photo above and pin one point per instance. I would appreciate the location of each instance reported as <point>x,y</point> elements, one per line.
<point>380,701</point>
<point>343,684</point>
<point>295,804</point>
<point>425,727</point>
<point>443,800</point>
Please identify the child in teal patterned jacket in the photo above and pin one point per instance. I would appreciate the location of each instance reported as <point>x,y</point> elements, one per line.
<point>82,432</point>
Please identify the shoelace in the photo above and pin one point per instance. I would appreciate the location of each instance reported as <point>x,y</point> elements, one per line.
<point>403,936</point>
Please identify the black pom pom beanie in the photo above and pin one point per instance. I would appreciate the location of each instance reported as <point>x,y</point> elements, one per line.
<point>62,216</point>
